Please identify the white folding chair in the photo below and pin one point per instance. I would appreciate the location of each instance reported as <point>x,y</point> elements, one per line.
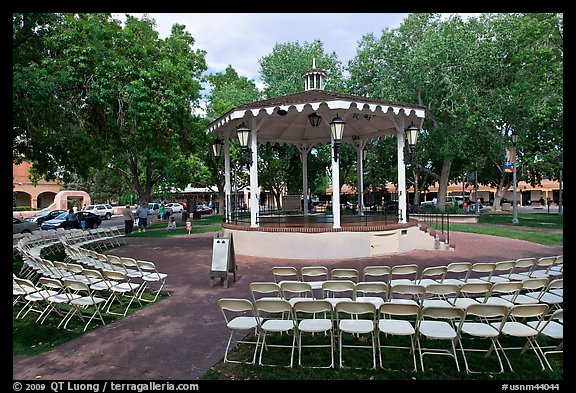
<point>457,272</point>
<point>375,292</point>
<point>528,285</point>
<point>283,273</point>
<point>33,295</point>
<point>314,322</point>
<point>351,326</point>
<point>502,270</point>
<point>377,273</point>
<point>314,275</point>
<point>438,324</point>
<point>397,320</point>
<point>542,267</point>
<point>432,275</point>
<point>349,274</point>
<point>440,295</point>
<point>476,326</point>
<point>265,290</point>
<point>403,274</point>
<point>240,317</point>
<point>550,294</point>
<point>481,272</point>
<point>150,275</point>
<point>517,325</point>
<point>124,292</point>
<point>294,291</point>
<point>81,304</point>
<point>407,293</point>
<point>277,321</point>
<point>336,291</point>
<point>553,328</point>
<point>522,269</point>
<point>472,293</point>
<point>500,289</point>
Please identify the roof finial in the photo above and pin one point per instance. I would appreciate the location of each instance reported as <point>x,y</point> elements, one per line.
<point>314,78</point>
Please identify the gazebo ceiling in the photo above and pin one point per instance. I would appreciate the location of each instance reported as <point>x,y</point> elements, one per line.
<point>365,118</point>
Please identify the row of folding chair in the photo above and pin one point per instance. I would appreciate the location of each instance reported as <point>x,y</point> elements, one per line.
<point>352,325</point>
<point>454,273</point>
<point>507,293</point>
<point>62,281</point>
<point>145,272</point>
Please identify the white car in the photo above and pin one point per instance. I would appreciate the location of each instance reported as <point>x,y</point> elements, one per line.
<point>176,207</point>
<point>104,210</point>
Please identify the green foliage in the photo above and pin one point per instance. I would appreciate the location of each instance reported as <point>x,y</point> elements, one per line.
<point>228,91</point>
<point>282,70</point>
<point>121,95</point>
<point>479,80</point>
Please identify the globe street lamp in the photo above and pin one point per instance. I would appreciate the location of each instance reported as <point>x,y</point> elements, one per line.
<point>337,128</point>
<point>514,207</point>
<point>243,133</point>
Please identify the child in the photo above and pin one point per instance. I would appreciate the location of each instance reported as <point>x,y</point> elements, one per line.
<point>189,226</point>
<point>171,224</point>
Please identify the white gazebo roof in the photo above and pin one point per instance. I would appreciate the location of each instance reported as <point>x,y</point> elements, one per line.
<point>284,119</point>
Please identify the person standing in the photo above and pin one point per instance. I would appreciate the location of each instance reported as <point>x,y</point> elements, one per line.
<point>161,211</point>
<point>128,219</point>
<point>142,214</point>
<point>71,219</point>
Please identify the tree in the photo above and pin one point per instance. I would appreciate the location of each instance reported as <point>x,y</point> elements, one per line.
<point>282,70</point>
<point>122,97</point>
<point>469,79</point>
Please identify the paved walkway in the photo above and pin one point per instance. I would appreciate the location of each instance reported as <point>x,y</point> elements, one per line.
<point>182,337</point>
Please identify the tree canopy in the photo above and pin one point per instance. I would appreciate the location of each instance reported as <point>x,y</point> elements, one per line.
<point>102,95</point>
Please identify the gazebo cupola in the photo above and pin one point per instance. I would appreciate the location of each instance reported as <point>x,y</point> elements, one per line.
<point>314,78</point>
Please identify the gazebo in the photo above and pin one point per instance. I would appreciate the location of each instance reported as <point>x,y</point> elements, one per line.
<point>315,117</point>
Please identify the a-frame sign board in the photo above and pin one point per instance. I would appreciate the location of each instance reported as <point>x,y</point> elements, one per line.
<point>223,259</point>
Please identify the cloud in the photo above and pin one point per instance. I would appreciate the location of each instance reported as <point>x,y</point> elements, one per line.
<point>242,39</point>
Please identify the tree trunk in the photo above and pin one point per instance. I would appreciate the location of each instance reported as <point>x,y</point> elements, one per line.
<point>443,183</point>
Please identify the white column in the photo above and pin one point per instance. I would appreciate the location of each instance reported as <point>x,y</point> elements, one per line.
<point>254,190</point>
<point>335,190</point>
<point>400,137</point>
<point>304,159</point>
<point>227,184</point>
<point>360,175</point>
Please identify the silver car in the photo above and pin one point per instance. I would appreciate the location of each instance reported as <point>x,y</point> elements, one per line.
<point>21,226</point>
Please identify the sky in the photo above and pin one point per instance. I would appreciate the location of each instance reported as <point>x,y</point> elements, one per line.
<point>241,40</point>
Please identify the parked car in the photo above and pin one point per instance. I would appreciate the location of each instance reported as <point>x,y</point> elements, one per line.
<point>44,215</point>
<point>23,226</point>
<point>203,209</point>
<point>93,221</point>
<point>103,210</point>
<point>154,209</point>
<point>175,206</point>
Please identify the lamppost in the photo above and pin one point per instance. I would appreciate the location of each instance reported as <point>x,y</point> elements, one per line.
<point>514,137</point>
<point>412,137</point>
<point>337,129</point>
<point>217,148</point>
<point>243,133</point>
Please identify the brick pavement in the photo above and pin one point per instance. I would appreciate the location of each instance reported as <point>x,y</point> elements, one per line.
<point>182,337</point>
